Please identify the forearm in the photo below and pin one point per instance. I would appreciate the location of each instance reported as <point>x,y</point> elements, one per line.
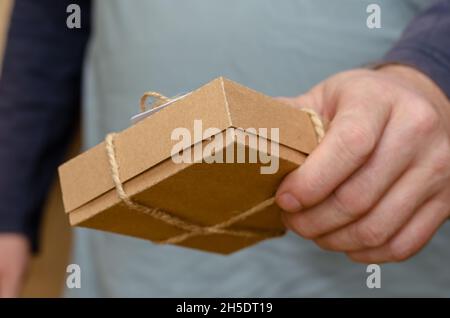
<point>39,99</point>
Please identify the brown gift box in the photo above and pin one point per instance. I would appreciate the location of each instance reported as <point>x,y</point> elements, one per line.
<point>217,207</point>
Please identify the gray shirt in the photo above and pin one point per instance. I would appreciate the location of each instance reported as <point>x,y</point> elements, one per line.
<point>277,47</point>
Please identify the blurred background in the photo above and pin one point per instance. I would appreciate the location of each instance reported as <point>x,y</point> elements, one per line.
<point>48,269</point>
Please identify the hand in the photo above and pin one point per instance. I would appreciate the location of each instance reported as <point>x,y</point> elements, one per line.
<point>14,258</point>
<point>378,185</point>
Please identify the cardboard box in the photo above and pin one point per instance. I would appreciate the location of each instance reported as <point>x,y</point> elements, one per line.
<point>197,194</point>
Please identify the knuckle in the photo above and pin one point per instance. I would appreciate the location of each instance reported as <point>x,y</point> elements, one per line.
<point>423,118</point>
<point>370,235</point>
<point>343,201</point>
<point>356,142</point>
<point>302,229</point>
<point>400,251</point>
<point>446,151</point>
<point>306,234</point>
<point>364,82</point>
<point>324,245</point>
<point>353,199</point>
<point>311,185</point>
<point>358,259</point>
<point>440,165</point>
<point>367,87</point>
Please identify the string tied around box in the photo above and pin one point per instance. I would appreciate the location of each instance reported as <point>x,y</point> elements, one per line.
<point>192,229</point>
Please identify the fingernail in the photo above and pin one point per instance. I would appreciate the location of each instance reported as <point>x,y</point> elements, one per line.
<point>288,202</point>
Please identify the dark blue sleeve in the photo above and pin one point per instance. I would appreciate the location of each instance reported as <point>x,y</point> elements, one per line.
<point>425,44</point>
<point>39,106</point>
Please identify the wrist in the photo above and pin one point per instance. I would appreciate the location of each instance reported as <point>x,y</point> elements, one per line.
<point>421,84</point>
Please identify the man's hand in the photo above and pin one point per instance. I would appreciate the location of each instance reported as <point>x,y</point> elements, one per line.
<point>14,258</point>
<point>378,185</point>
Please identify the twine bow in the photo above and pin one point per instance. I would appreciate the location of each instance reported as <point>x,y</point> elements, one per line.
<point>192,229</point>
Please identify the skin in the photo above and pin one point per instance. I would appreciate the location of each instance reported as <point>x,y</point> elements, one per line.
<point>14,259</point>
<point>377,187</point>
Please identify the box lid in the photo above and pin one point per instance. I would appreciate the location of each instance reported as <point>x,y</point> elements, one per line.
<point>221,104</point>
